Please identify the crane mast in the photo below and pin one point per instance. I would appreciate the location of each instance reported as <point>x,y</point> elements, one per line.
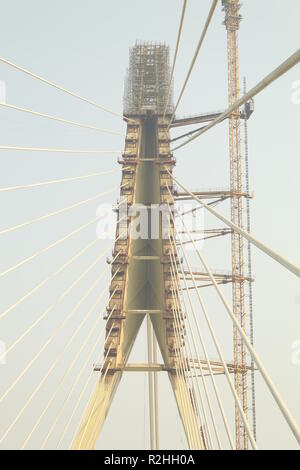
<point>232,22</point>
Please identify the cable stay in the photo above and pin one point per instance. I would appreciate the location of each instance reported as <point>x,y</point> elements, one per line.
<point>59,211</point>
<point>173,266</point>
<point>236,398</point>
<point>61,120</point>
<point>73,362</point>
<point>58,358</point>
<point>47,279</point>
<point>278,399</point>
<point>78,376</point>
<point>103,379</point>
<point>75,408</point>
<point>175,55</point>
<point>46,312</point>
<point>56,181</point>
<point>206,26</point>
<point>261,246</point>
<point>49,247</point>
<point>217,393</point>
<point>58,87</point>
<point>293,60</point>
<point>55,150</point>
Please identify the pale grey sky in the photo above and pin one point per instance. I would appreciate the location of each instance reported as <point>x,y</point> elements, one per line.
<point>84,47</point>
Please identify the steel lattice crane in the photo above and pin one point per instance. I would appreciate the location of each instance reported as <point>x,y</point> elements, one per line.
<point>232,23</point>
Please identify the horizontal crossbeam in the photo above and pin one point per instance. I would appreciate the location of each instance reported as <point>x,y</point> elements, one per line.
<point>207,117</point>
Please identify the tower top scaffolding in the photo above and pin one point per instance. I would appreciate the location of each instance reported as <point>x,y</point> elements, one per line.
<point>232,16</point>
<point>147,80</point>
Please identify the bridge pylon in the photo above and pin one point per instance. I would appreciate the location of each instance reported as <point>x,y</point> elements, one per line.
<point>142,281</point>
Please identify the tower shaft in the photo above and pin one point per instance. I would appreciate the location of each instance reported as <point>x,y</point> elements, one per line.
<point>142,282</point>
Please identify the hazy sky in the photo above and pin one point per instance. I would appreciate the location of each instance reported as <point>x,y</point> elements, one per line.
<point>84,47</point>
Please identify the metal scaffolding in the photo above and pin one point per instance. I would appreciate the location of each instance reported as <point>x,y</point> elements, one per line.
<point>148,79</point>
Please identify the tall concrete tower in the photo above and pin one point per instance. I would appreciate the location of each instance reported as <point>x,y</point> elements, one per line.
<point>143,283</point>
